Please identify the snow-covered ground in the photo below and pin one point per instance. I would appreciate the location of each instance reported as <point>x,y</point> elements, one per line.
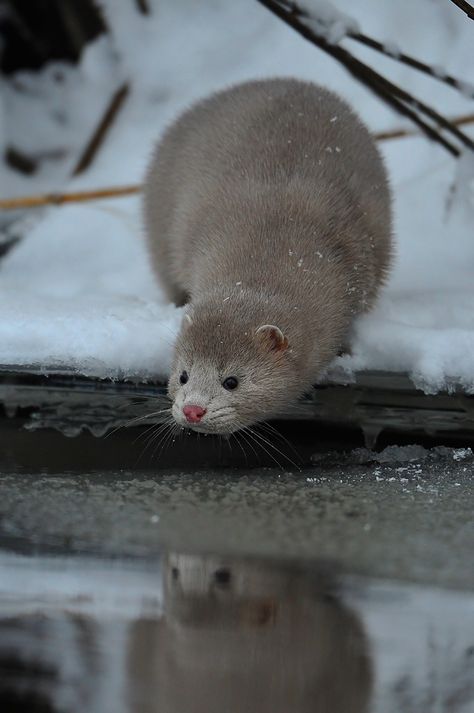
<point>78,290</point>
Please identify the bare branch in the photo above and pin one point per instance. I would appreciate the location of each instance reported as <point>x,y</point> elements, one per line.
<point>100,132</point>
<point>402,133</point>
<point>143,6</point>
<point>465,7</point>
<point>433,72</point>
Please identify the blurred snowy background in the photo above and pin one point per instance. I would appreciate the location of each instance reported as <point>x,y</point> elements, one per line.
<point>77,290</point>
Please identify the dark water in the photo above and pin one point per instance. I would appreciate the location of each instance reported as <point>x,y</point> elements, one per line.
<point>346,588</point>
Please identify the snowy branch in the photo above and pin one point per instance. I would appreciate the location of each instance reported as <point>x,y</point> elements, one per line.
<point>389,49</point>
<point>465,7</point>
<point>325,37</point>
<point>438,73</point>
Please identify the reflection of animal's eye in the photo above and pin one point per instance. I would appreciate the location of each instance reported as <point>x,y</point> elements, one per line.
<point>230,383</point>
<point>222,576</point>
<point>183,377</point>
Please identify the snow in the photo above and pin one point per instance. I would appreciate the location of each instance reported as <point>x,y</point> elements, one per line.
<point>393,49</point>
<point>78,290</point>
<point>327,21</point>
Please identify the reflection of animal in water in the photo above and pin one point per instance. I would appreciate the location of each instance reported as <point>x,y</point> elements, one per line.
<point>249,638</point>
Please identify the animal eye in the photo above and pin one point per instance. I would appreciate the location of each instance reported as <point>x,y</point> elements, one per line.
<point>222,577</point>
<point>230,383</point>
<point>183,377</point>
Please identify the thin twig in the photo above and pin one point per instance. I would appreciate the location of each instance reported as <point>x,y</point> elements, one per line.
<point>465,7</point>
<point>100,132</point>
<point>75,197</point>
<point>402,133</point>
<point>392,94</point>
<point>143,6</point>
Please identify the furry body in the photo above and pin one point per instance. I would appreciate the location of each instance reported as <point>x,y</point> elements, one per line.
<point>265,204</point>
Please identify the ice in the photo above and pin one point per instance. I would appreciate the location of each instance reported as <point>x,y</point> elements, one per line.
<point>391,454</point>
<point>395,454</point>
<point>462,454</point>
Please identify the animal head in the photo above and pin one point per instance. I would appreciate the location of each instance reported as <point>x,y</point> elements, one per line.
<point>228,372</point>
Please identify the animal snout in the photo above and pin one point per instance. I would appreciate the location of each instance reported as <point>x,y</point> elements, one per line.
<point>194,413</point>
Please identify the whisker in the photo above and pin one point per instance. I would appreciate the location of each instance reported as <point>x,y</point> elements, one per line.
<point>159,438</point>
<point>252,435</point>
<point>282,453</point>
<point>240,445</point>
<point>136,420</point>
<point>156,430</point>
<point>228,441</point>
<point>127,400</point>
<point>160,428</point>
<point>277,450</point>
<point>167,441</point>
<point>144,433</point>
<point>152,427</point>
<point>272,430</point>
<point>248,442</point>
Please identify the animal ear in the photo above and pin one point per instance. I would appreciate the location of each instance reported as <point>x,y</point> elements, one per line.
<point>272,337</point>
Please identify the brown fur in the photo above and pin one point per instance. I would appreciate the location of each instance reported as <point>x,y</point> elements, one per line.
<point>266,203</point>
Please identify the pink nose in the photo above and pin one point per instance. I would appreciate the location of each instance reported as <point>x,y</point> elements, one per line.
<point>194,413</point>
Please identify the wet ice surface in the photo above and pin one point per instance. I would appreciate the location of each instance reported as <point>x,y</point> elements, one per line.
<point>346,587</point>
<point>399,518</point>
